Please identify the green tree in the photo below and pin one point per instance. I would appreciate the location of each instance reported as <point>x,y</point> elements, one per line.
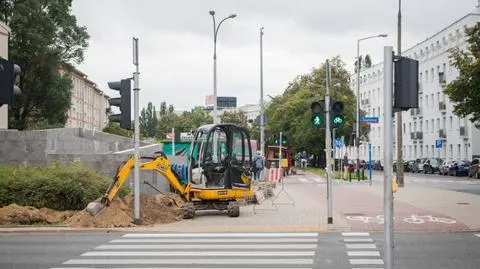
<point>163,109</point>
<point>148,121</point>
<point>464,91</point>
<point>114,128</point>
<point>235,117</point>
<point>368,61</point>
<point>291,114</point>
<point>45,37</point>
<point>191,120</point>
<point>355,64</point>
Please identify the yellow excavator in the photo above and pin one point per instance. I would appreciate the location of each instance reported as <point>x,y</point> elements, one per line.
<point>219,172</point>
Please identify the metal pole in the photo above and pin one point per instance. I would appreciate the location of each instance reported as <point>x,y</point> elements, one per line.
<point>357,130</point>
<point>215,112</point>
<point>370,163</point>
<point>279,150</point>
<point>388,155</point>
<point>400,172</point>
<point>262,108</point>
<point>334,147</point>
<point>328,143</point>
<point>173,141</point>
<point>136,171</point>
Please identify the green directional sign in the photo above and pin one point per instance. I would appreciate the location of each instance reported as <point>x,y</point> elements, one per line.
<point>317,121</point>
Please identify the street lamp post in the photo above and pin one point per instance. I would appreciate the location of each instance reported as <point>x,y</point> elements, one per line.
<point>357,135</point>
<point>262,108</point>
<point>215,32</point>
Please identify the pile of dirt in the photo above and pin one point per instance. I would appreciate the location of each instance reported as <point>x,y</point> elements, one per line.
<point>262,190</point>
<point>27,215</point>
<point>154,209</point>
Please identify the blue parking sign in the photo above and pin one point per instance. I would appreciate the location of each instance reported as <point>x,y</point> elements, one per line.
<point>338,143</point>
<point>438,144</point>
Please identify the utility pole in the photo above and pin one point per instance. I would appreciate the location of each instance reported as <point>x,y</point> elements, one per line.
<point>328,143</point>
<point>388,154</point>
<point>136,171</point>
<point>400,172</point>
<point>262,108</point>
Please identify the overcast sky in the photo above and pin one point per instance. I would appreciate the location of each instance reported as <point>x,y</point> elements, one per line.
<point>176,41</point>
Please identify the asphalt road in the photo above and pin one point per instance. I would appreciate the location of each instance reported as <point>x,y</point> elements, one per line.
<point>461,184</point>
<point>248,250</point>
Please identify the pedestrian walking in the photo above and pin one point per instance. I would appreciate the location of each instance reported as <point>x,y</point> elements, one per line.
<point>258,165</point>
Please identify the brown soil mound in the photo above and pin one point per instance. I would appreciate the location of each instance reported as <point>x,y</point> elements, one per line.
<point>154,209</point>
<point>15,214</point>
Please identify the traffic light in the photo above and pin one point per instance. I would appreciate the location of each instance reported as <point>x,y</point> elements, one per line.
<point>337,114</point>
<point>275,140</point>
<point>8,76</point>
<point>317,114</point>
<point>123,102</point>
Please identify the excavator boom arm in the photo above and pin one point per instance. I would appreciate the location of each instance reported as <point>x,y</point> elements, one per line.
<point>159,164</point>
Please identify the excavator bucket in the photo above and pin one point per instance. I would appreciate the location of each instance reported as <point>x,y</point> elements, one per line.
<point>94,208</point>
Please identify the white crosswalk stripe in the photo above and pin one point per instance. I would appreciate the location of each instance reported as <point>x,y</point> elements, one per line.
<point>201,250</point>
<point>361,250</point>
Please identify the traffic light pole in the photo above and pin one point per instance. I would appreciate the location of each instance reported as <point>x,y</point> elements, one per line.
<point>136,171</point>
<point>328,144</point>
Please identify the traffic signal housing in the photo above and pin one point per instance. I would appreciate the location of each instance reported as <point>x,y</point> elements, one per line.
<point>317,114</point>
<point>123,102</point>
<point>337,114</point>
<point>9,72</point>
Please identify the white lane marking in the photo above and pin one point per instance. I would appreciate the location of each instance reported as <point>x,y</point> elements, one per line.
<point>366,261</point>
<point>174,268</point>
<point>213,240</point>
<point>355,234</point>
<point>199,253</point>
<point>317,179</point>
<point>357,246</point>
<point>357,240</point>
<point>302,179</point>
<point>206,246</point>
<point>221,235</point>
<point>190,261</point>
<point>363,253</point>
<point>477,235</point>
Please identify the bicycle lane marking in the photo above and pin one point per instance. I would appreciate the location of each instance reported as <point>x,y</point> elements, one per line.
<point>363,211</point>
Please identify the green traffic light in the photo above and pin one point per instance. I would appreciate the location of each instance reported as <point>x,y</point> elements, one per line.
<point>338,120</point>
<point>317,120</point>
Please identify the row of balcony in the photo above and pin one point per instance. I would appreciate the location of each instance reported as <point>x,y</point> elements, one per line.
<point>418,135</point>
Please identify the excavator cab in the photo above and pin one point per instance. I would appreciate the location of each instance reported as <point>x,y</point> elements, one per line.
<point>220,158</point>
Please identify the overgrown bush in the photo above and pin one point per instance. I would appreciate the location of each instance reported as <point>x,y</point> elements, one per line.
<point>57,186</point>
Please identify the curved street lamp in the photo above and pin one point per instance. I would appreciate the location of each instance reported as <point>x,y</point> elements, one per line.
<point>215,33</point>
<point>357,136</point>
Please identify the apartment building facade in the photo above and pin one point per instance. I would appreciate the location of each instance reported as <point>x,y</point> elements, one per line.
<point>432,130</point>
<point>90,107</point>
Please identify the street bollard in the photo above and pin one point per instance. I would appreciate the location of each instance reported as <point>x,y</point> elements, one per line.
<point>349,175</point>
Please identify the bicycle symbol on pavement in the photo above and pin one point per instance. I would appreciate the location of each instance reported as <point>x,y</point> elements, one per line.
<point>413,219</point>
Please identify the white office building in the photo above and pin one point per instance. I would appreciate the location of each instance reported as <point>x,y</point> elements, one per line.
<point>434,120</point>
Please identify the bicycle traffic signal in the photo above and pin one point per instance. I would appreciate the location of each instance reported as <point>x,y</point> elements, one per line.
<point>337,114</point>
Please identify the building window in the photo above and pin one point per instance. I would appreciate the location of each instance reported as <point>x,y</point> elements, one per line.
<point>421,126</point>
<point>433,127</point>
<point>450,66</point>
<point>426,101</point>
<point>432,75</point>
<point>410,127</point>
<point>465,147</point>
<point>451,122</point>
<point>426,126</point>
<point>433,151</point>
<point>426,76</point>
<point>414,126</point>
<point>404,126</point>
<point>432,103</point>
<point>451,151</point>
<point>459,150</point>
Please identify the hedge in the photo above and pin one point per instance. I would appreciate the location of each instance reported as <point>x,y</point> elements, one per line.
<point>57,186</point>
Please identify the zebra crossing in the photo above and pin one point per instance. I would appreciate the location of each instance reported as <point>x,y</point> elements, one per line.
<point>362,251</point>
<point>201,250</point>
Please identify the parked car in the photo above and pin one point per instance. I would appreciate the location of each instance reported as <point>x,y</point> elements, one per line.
<point>432,165</point>
<point>408,166</point>
<point>445,167</point>
<point>377,165</point>
<point>459,168</point>
<point>405,166</point>
<point>474,169</point>
<point>418,165</point>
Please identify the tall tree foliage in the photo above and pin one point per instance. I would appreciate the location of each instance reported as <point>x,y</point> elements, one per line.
<point>235,117</point>
<point>464,91</point>
<point>45,36</point>
<point>148,121</point>
<point>364,62</point>
<point>291,114</point>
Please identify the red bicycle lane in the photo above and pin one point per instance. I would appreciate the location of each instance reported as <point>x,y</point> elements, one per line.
<point>363,211</point>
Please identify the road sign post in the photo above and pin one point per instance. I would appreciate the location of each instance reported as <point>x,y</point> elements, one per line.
<point>328,145</point>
